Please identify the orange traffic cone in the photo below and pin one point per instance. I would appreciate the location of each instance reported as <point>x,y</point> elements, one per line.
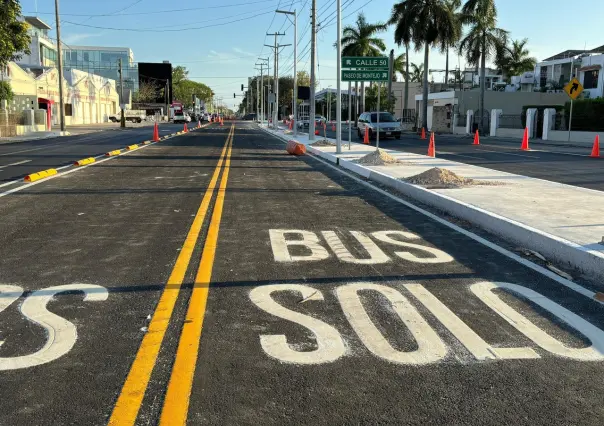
<point>525,140</point>
<point>291,125</point>
<point>317,132</point>
<point>366,137</point>
<point>184,129</point>
<point>221,122</point>
<point>333,126</point>
<point>476,139</point>
<point>595,152</point>
<point>431,147</point>
<point>423,136</point>
<point>198,124</point>
<point>155,133</point>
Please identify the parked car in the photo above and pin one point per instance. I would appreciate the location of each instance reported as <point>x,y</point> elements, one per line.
<point>304,121</point>
<point>249,117</point>
<point>388,127</point>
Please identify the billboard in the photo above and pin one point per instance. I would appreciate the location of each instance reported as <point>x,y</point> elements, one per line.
<point>156,75</point>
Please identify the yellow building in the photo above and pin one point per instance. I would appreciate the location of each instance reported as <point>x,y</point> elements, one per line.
<point>88,98</point>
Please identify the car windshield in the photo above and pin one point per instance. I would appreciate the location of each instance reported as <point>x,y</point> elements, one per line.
<point>385,117</point>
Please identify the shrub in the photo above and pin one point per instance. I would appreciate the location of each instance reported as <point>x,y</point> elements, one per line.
<point>588,114</point>
<point>6,93</point>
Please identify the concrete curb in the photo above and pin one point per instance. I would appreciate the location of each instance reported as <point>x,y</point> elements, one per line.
<point>561,251</point>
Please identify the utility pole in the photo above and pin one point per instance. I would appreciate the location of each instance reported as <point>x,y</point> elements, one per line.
<point>295,94</point>
<point>313,45</point>
<point>167,93</point>
<point>60,63</point>
<point>122,117</point>
<point>390,74</point>
<point>275,82</point>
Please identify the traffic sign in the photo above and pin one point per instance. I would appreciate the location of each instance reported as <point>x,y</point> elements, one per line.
<point>573,89</point>
<point>379,75</point>
<point>365,62</point>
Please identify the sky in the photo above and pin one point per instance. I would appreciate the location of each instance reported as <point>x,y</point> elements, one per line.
<point>219,42</point>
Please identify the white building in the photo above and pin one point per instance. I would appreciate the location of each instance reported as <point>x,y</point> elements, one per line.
<point>585,65</point>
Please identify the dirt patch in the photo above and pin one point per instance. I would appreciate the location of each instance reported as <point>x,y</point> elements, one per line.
<point>378,158</point>
<point>323,142</point>
<point>444,178</point>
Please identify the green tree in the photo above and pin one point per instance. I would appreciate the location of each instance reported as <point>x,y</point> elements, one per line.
<point>14,39</point>
<point>360,40</point>
<point>147,92</point>
<point>179,73</point>
<point>514,59</point>
<point>400,66</point>
<point>483,41</point>
<point>371,99</point>
<point>6,93</point>
<point>425,23</point>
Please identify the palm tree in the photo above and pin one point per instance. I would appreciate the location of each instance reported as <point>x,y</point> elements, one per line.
<point>483,40</point>
<point>360,40</point>
<point>399,65</point>
<point>426,23</point>
<point>514,59</point>
<point>417,73</point>
<point>453,7</point>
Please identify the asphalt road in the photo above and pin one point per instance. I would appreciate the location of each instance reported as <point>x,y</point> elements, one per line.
<point>21,158</point>
<point>230,283</point>
<point>563,164</point>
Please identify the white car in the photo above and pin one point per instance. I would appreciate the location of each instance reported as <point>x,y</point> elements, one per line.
<point>179,117</point>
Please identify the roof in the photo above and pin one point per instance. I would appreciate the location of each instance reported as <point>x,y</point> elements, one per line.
<point>34,21</point>
<point>566,54</point>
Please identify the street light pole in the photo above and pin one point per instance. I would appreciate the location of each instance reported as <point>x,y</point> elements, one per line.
<point>313,44</point>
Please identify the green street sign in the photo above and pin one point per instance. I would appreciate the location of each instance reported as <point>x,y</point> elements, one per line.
<point>364,75</point>
<point>365,62</point>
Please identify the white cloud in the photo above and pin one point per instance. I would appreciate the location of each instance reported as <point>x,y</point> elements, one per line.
<point>243,52</point>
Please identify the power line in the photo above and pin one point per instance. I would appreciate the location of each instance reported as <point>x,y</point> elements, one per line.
<point>140,30</point>
<point>153,12</point>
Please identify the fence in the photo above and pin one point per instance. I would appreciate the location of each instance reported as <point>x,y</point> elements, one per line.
<point>560,122</point>
<point>511,121</point>
<point>408,116</point>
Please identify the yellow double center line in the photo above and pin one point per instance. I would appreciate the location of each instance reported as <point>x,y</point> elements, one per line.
<point>176,402</point>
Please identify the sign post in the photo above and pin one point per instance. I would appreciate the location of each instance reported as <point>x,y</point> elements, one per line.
<point>361,68</point>
<point>573,89</point>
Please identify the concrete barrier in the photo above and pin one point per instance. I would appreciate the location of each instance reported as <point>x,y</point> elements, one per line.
<point>84,161</point>
<point>295,148</point>
<point>40,175</point>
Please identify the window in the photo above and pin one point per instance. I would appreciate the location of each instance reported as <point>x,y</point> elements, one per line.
<point>590,80</point>
<point>385,117</point>
<point>68,110</point>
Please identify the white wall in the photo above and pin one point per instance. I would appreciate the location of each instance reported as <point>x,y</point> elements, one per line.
<point>510,133</point>
<point>562,136</point>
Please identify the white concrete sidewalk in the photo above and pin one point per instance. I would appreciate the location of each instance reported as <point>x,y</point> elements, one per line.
<point>569,213</point>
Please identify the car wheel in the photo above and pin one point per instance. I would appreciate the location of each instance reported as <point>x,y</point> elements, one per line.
<point>399,136</point>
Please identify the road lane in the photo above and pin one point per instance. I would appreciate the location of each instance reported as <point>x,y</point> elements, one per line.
<point>114,230</point>
<point>330,304</point>
<point>568,165</point>
<point>20,159</point>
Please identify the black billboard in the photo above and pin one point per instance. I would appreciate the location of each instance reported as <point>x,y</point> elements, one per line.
<point>153,76</point>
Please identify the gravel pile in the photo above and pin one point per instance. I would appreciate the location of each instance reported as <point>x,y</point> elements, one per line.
<point>323,142</point>
<point>443,178</point>
<point>377,158</point>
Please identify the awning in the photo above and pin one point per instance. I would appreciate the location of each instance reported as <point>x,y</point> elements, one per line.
<point>590,68</point>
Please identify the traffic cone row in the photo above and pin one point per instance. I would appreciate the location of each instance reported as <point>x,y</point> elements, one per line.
<point>185,128</point>
<point>423,137</point>
<point>155,133</point>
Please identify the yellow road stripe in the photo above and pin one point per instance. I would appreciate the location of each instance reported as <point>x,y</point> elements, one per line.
<point>176,403</point>
<point>131,397</point>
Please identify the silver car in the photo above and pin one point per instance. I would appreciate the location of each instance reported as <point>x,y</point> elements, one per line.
<point>388,127</point>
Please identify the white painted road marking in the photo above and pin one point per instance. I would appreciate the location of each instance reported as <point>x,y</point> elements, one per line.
<point>14,164</point>
<point>316,252</point>
<point>430,347</point>
<point>61,334</point>
<point>330,345</point>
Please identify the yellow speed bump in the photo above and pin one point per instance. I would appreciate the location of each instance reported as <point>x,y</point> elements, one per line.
<point>112,153</point>
<point>131,147</point>
<point>84,161</point>
<point>40,175</point>
<point>146,142</point>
